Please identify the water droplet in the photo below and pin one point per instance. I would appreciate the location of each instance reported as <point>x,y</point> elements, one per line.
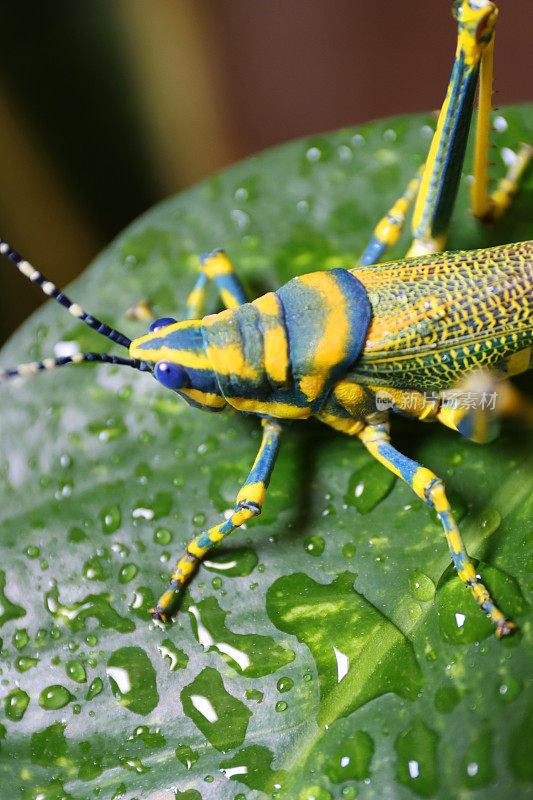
<point>186,755</point>
<point>133,679</point>
<point>94,689</point>
<point>252,767</point>
<point>232,563</point>
<point>349,550</point>
<point>313,154</point>
<point>281,705</point>
<point>24,663</point>
<point>285,685</point>
<point>109,429</point>
<point>20,638</point>
<point>349,792</point>
<point>16,704</point>
<point>254,694</point>
<point>250,654</point>
<point>143,600</point>
<point>368,486</point>
<point>127,573</point>
<point>110,518</point>
<point>342,630</point>
<point>150,739</point>
<point>177,659</point>
<point>199,519</point>
<point>32,551</point>
<point>314,793</point>
<point>422,587</point>
<point>162,536</point>
<point>76,671</point>
<point>509,690</point>
<point>220,717</point>
<point>8,610</point>
<point>351,759</point>
<point>54,697</point>
<point>477,768</point>
<point>314,545</point>
<point>446,698</point>
<point>96,568</point>
<point>92,605</point>
<point>416,750</point>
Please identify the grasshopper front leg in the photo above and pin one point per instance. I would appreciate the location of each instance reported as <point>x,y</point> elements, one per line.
<point>248,504</point>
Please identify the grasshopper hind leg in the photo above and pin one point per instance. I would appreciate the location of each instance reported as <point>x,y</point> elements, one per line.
<point>430,489</point>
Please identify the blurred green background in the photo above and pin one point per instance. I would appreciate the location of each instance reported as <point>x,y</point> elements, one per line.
<point>108,106</point>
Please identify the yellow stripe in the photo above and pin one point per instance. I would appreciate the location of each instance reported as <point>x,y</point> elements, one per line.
<point>274,409</point>
<point>229,360</point>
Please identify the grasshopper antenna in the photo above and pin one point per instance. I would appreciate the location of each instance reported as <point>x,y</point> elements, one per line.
<point>23,370</point>
<point>51,290</point>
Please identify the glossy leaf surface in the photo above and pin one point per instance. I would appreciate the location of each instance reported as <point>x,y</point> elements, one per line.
<point>327,651</point>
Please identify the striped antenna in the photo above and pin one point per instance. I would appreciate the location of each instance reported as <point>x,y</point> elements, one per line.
<point>51,290</point>
<point>23,370</point>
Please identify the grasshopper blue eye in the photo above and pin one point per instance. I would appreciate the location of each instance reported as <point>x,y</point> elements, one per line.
<point>170,375</point>
<point>160,323</point>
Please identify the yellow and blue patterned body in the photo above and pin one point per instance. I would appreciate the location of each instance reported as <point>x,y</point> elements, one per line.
<point>278,356</point>
<point>327,344</point>
<point>321,344</point>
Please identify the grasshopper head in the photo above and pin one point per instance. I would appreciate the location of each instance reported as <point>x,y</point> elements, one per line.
<point>176,351</point>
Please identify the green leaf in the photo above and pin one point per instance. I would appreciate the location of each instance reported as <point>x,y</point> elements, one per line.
<point>318,654</point>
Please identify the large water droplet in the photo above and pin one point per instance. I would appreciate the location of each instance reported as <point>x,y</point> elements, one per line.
<point>416,750</point>
<point>94,689</point>
<point>250,654</point>
<point>76,671</point>
<point>284,685</point>
<point>351,759</point>
<point>110,518</point>
<point>20,638</point>
<point>177,659</point>
<point>368,486</point>
<point>133,679</point>
<point>8,610</point>
<point>252,767</point>
<point>16,704</point>
<point>238,562</point>
<point>186,755</point>
<point>54,697</point>
<point>348,638</point>
<point>221,718</point>
<point>477,769</point>
<point>92,605</point>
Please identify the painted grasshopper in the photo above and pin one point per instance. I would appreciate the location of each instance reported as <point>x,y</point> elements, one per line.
<point>346,345</point>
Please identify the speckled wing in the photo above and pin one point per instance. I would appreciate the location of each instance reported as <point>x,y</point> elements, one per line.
<point>437,318</point>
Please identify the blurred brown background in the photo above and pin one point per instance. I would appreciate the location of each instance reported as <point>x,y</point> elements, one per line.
<point>108,106</point>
